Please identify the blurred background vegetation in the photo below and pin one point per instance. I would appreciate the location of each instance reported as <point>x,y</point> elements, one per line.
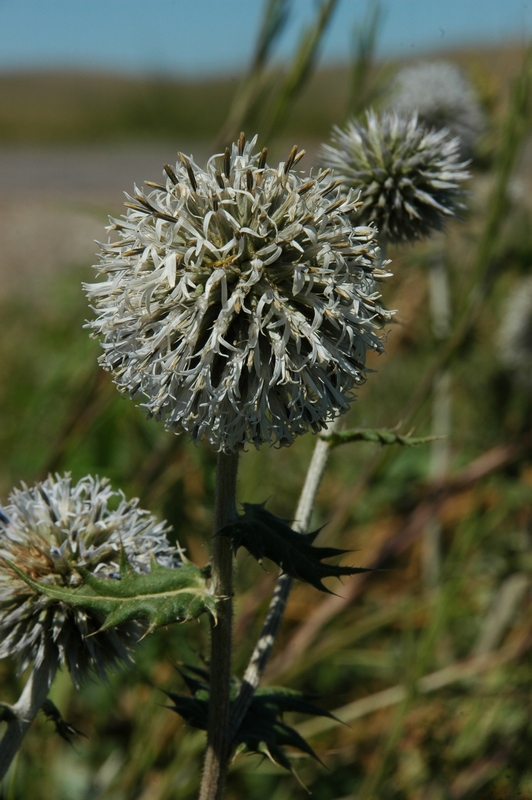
<point>433,678</point>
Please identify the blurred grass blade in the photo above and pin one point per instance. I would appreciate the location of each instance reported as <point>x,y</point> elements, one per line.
<point>250,93</point>
<point>301,68</point>
<point>275,18</point>
<point>361,91</point>
<point>466,670</point>
<point>515,128</point>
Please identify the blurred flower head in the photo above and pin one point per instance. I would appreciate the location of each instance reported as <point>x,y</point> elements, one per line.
<point>515,335</point>
<point>408,176</point>
<point>443,98</point>
<point>48,530</point>
<point>239,301</point>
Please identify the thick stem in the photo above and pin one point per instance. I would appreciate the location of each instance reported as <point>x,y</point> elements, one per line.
<point>272,623</point>
<point>25,710</point>
<point>217,754</point>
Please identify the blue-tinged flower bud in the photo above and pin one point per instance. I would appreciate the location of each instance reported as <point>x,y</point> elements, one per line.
<point>48,531</point>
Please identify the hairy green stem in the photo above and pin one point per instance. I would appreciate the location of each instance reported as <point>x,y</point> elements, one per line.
<point>24,712</point>
<point>218,749</point>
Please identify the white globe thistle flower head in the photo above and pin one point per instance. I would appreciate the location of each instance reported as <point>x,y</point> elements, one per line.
<point>48,530</point>
<point>408,176</point>
<point>239,301</point>
<point>443,98</point>
<point>515,335</point>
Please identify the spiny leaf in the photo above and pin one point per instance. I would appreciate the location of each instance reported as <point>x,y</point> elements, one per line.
<point>198,687</point>
<point>266,536</point>
<point>65,730</point>
<point>262,730</point>
<point>160,597</point>
<point>379,435</point>
<point>194,710</point>
<point>281,700</point>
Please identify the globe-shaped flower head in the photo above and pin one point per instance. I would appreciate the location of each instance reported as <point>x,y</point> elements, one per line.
<point>239,300</point>
<point>408,175</point>
<point>49,530</point>
<point>443,98</point>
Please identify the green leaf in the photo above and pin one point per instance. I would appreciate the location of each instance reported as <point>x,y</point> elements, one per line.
<point>266,536</point>
<point>160,597</point>
<point>378,435</point>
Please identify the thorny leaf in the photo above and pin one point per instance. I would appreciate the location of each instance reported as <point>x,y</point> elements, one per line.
<point>65,730</point>
<point>161,596</point>
<point>262,730</point>
<point>266,536</point>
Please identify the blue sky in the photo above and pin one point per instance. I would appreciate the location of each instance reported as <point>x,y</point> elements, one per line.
<point>191,37</point>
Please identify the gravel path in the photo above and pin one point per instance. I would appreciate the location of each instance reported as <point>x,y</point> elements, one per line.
<point>54,204</point>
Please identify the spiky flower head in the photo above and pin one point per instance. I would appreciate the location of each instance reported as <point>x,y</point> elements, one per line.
<point>515,335</point>
<point>442,97</point>
<point>239,300</point>
<point>408,176</point>
<point>47,531</point>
